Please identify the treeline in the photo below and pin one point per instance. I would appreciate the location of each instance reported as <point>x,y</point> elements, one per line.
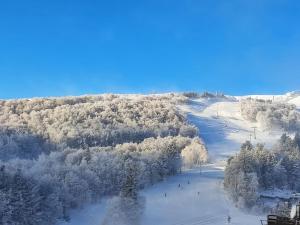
<point>204,95</point>
<point>59,154</point>
<point>271,115</point>
<point>256,168</point>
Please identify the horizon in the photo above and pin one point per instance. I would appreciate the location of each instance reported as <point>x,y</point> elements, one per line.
<point>151,93</point>
<point>86,47</point>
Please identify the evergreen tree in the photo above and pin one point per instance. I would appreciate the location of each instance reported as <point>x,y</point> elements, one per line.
<point>248,186</point>
<point>296,141</point>
<point>247,146</point>
<point>285,143</point>
<point>129,187</point>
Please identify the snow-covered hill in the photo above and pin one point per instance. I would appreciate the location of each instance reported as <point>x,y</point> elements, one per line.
<point>290,97</point>
<point>200,199</point>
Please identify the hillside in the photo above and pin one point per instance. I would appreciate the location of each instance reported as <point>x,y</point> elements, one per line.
<point>90,145</point>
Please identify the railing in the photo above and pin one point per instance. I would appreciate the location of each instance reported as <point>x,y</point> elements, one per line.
<point>278,220</point>
<point>273,220</point>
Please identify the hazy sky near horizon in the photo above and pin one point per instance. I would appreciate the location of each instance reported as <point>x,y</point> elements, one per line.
<point>72,47</point>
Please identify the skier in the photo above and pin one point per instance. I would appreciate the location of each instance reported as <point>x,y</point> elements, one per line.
<point>198,192</point>
<point>179,185</point>
<point>228,219</point>
<point>188,182</point>
<point>165,195</point>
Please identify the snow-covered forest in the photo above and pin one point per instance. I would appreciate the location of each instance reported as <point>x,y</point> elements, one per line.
<point>270,114</point>
<point>103,120</point>
<point>62,153</point>
<point>117,151</point>
<point>256,168</point>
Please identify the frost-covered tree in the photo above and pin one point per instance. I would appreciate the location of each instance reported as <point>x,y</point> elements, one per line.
<point>128,207</point>
<point>194,154</point>
<point>130,184</point>
<point>22,202</point>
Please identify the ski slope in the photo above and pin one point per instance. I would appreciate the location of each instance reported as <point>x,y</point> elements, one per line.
<point>222,127</point>
<point>200,199</point>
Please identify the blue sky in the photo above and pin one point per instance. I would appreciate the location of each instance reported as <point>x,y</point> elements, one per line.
<point>72,47</point>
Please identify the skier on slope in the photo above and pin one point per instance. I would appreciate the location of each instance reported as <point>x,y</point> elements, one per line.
<point>228,219</point>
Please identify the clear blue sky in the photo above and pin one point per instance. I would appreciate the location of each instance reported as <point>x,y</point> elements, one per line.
<point>71,47</point>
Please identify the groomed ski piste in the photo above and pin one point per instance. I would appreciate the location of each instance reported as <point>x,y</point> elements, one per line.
<point>197,196</point>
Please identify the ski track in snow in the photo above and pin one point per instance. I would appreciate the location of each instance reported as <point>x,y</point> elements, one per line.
<point>223,130</point>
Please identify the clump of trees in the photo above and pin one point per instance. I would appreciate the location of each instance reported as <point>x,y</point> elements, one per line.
<point>19,143</point>
<point>204,95</point>
<point>194,154</point>
<point>25,201</point>
<point>271,115</point>
<point>62,153</point>
<point>256,168</point>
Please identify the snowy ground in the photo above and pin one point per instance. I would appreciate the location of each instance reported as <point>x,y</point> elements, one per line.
<point>185,206</point>
<point>223,130</point>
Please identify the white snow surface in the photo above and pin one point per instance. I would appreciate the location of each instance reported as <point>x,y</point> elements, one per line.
<point>202,201</point>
